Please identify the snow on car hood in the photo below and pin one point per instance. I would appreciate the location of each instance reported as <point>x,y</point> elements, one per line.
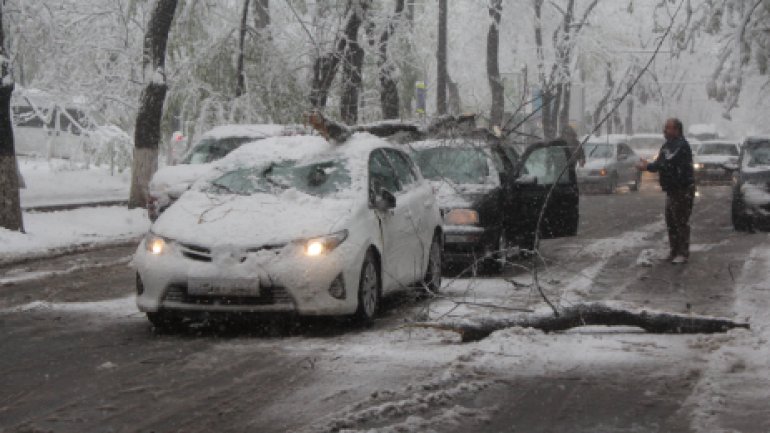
<point>176,179</point>
<point>453,196</point>
<point>211,220</point>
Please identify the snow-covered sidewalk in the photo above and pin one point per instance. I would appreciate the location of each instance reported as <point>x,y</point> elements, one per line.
<point>53,232</point>
<point>60,182</point>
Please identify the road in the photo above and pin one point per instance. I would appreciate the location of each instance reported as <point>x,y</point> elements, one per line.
<point>77,357</point>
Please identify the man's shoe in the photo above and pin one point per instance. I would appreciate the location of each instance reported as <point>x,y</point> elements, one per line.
<point>679,260</point>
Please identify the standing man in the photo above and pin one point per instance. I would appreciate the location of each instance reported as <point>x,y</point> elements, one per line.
<point>569,135</point>
<point>674,165</point>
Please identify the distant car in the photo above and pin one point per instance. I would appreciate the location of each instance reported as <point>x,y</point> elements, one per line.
<point>170,182</point>
<point>715,160</point>
<point>44,126</point>
<point>610,162</point>
<point>703,132</point>
<point>293,225</point>
<point>646,146</point>
<point>751,191</point>
<point>490,198</point>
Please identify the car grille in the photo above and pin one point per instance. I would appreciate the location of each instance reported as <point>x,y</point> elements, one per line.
<point>268,296</point>
<point>203,254</point>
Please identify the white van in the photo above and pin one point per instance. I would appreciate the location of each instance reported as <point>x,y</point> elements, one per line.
<point>46,128</point>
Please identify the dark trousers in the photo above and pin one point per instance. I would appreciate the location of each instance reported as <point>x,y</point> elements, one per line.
<point>678,211</point>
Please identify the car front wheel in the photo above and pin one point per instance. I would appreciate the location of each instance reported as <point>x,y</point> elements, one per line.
<point>432,278</point>
<point>368,289</point>
<point>165,321</point>
<point>739,217</point>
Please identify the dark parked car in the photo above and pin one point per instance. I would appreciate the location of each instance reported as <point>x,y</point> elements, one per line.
<point>490,197</point>
<point>751,193</point>
<point>714,160</point>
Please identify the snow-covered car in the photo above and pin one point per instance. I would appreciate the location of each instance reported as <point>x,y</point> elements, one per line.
<point>169,182</point>
<point>610,162</point>
<point>490,201</point>
<point>716,160</point>
<point>702,132</point>
<point>294,225</point>
<point>646,145</point>
<point>45,126</point>
<point>751,190</point>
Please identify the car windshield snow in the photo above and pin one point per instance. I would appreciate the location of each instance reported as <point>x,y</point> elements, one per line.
<point>458,165</point>
<point>212,149</point>
<point>599,150</point>
<point>318,179</point>
<point>718,149</point>
<point>758,153</point>
<point>645,143</point>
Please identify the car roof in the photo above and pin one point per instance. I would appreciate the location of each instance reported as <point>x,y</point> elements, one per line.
<point>253,130</point>
<point>611,139</point>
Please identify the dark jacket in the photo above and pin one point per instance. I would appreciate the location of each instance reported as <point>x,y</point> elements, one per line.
<point>674,164</point>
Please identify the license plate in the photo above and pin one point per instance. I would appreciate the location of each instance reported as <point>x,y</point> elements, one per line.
<point>223,287</point>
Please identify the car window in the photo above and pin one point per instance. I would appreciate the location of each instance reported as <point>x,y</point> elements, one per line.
<point>461,165</point>
<point>718,149</point>
<point>319,178</point>
<point>212,149</point>
<point>381,174</point>
<point>599,150</point>
<point>402,166</point>
<point>757,154</point>
<point>26,116</point>
<point>546,164</point>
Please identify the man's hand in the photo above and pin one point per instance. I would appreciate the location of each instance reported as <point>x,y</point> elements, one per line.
<point>642,165</point>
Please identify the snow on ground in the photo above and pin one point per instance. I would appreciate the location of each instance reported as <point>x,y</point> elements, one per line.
<point>58,182</point>
<point>65,230</point>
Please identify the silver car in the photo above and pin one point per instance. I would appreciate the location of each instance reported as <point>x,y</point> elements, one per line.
<point>610,162</point>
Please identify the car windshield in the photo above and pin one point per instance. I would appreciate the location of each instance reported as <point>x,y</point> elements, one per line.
<point>599,150</point>
<point>718,149</point>
<point>319,179</point>
<point>758,153</point>
<point>212,149</point>
<point>458,165</point>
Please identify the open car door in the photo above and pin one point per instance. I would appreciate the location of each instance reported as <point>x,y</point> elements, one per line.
<point>539,169</point>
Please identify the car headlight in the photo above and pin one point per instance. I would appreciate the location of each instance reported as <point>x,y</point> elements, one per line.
<point>315,247</point>
<point>156,245</point>
<point>461,217</point>
<point>602,172</point>
<point>697,166</point>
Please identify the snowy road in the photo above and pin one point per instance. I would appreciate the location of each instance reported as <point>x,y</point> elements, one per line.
<point>77,357</point>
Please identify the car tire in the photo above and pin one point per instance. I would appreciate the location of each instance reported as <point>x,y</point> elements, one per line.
<point>165,321</point>
<point>494,265</point>
<point>369,290</point>
<point>637,183</point>
<point>432,279</point>
<point>739,217</point>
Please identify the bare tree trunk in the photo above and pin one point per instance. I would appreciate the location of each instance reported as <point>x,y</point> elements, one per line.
<point>630,117</point>
<point>388,87</point>
<point>10,203</point>
<point>408,71</point>
<point>147,131</point>
<point>565,76</point>
<point>325,66</point>
<point>493,67</point>
<point>441,58</point>
<point>351,82</point>
<point>240,80</point>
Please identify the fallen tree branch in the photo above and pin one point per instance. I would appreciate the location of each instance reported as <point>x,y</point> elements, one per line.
<point>476,329</point>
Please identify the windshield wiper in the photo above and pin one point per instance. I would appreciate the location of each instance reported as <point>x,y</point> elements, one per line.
<point>269,180</point>
<point>225,188</point>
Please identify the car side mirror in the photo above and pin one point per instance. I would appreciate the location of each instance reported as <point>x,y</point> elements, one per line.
<point>385,200</point>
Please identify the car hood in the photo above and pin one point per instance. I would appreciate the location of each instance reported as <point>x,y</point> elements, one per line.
<point>715,159</point>
<point>212,220</point>
<point>176,179</point>
<point>453,196</point>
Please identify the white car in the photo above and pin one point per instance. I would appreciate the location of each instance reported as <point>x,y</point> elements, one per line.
<point>169,182</point>
<point>610,162</point>
<point>716,160</point>
<point>293,224</point>
<point>646,146</point>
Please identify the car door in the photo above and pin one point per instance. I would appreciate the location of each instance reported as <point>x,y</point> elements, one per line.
<point>625,164</point>
<point>543,167</point>
<point>396,232</point>
<point>417,197</point>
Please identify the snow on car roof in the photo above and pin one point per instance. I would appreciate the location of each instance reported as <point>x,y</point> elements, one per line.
<point>612,138</point>
<point>255,130</point>
<point>453,142</point>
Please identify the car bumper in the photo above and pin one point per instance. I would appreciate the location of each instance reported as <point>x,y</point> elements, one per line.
<point>288,281</point>
<point>464,245</point>
<point>593,180</point>
<point>713,175</point>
